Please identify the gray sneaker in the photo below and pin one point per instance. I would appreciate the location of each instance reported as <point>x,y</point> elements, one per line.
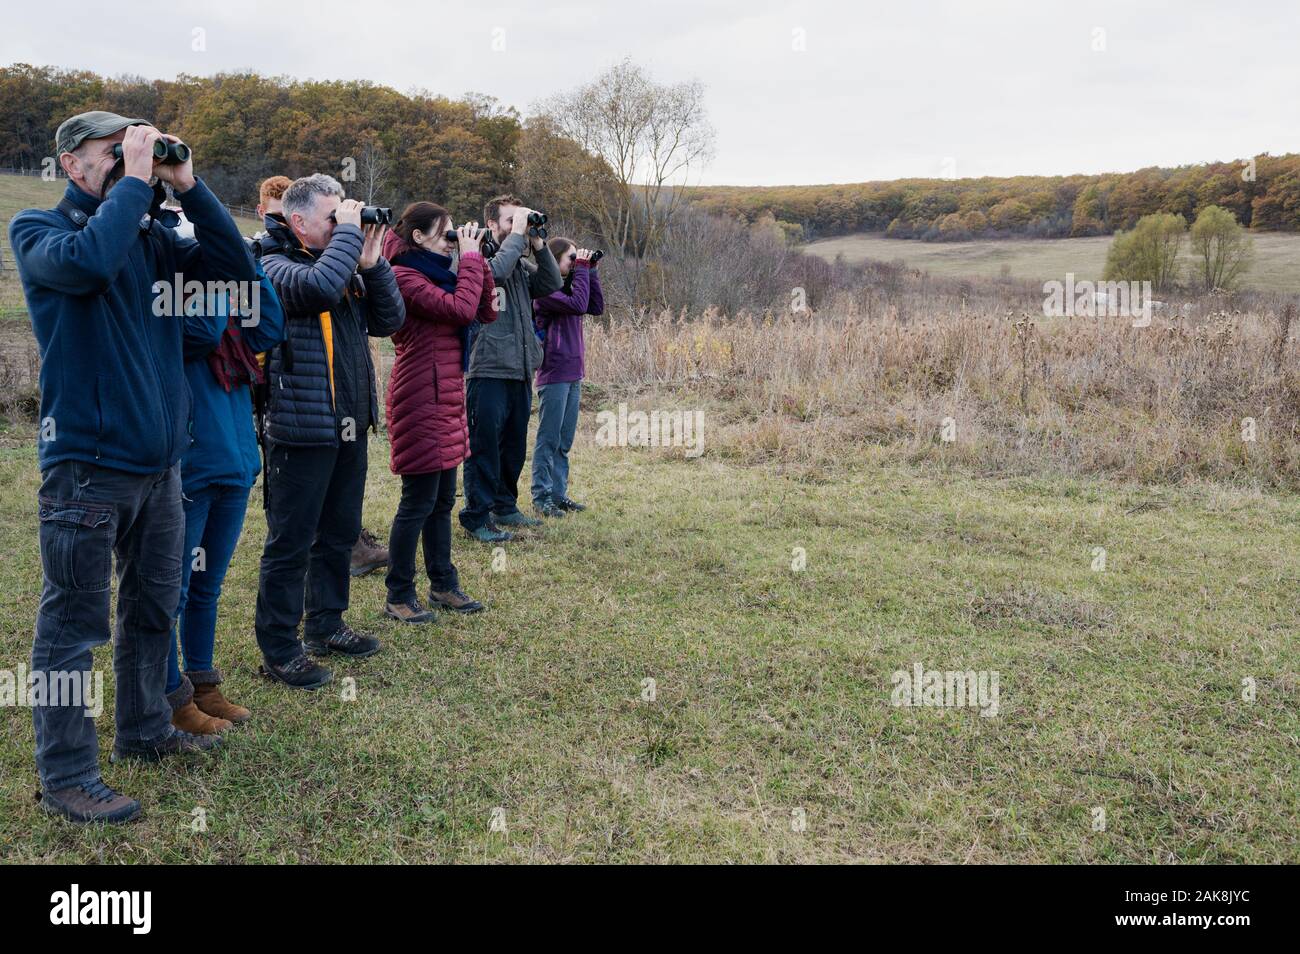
<point>547,508</point>
<point>90,802</point>
<point>179,742</point>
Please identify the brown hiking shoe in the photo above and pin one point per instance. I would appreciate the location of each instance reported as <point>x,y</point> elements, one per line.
<point>455,601</point>
<point>210,699</point>
<point>410,612</point>
<point>367,554</point>
<point>186,715</point>
<point>89,802</point>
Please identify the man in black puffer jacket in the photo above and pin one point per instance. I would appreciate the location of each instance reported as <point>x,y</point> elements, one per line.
<point>336,289</point>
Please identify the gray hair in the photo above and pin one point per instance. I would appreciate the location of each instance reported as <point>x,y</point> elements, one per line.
<point>300,197</point>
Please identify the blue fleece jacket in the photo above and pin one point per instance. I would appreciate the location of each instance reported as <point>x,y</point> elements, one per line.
<point>224,449</point>
<point>113,389</point>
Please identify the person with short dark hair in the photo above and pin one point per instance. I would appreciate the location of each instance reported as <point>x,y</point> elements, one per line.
<point>502,361</point>
<point>101,273</point>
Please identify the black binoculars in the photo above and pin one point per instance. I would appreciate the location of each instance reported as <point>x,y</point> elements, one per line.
<point>171,153</point>
<point>488,247</point>
<point>376,215</point>
<point>537,224</point>
<point>596,256</point>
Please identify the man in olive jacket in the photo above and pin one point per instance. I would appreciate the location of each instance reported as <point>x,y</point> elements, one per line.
<point>499,393</point>
<point>337,290</point>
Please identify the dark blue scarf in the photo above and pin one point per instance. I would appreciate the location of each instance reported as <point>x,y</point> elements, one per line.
<point>437,269</point>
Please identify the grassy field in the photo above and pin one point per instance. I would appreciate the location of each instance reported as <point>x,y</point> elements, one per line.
<point>1120,686</point>
<point>1119,689</point>
<point>1277,257</point>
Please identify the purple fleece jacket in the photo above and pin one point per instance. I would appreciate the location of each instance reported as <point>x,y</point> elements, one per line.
<point>560,314</point>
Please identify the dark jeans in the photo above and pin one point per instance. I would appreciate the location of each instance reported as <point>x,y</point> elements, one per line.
<point>497,411</point>
<point>313,519</point>
<point>557,423</point>
<point>214,517</point>
<point>87,514</point>
<point>424,512</point>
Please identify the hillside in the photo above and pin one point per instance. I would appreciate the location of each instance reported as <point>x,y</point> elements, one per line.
<point>1263,193</point>
<point>1276,267</point>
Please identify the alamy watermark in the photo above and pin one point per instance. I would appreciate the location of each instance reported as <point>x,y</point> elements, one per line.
<point>175,297</point>
<point>1088,299</point>
<point>655,429</point>
<point>947,689</point>
<point>53,688</point>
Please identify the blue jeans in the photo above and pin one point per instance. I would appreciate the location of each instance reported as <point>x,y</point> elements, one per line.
<point>557,422</point>
<point>87,514</point>
<point>214,518</point>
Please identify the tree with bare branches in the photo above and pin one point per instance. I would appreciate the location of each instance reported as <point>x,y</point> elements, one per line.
<point>615,153</point>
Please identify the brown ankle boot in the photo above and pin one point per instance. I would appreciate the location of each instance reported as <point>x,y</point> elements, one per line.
<point>186,715</point>
<point>209,699</point>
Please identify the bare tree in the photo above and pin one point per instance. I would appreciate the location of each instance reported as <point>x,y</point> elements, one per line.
<point>372,169</point>
<point>634,144</point>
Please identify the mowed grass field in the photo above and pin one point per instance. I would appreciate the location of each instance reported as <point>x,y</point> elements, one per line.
<point>1276,268</point>
<point>1120,689</point>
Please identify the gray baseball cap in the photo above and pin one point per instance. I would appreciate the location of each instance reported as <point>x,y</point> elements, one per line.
<point>95,124</point>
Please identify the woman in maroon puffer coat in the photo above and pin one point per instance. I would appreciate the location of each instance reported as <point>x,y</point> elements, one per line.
<point>426,398</point>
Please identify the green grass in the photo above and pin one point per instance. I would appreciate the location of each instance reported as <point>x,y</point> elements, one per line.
<point>1276,268</point>
<point>1119,689</point>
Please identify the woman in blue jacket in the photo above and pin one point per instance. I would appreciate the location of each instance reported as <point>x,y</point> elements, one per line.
<point>217,472</point>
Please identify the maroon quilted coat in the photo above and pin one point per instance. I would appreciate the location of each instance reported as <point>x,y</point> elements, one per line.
<point>426,389</point>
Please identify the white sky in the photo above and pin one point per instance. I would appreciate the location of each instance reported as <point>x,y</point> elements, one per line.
<point>884,90</point>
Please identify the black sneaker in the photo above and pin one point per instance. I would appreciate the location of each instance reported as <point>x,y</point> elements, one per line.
<point>300,672</point>
<point>547,508</point>
<point>179,742</point>
<point>566,503</point>
<point>89,802</point>
<point>345,641</point>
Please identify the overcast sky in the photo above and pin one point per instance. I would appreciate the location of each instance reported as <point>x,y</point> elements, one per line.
<point>880,90</point>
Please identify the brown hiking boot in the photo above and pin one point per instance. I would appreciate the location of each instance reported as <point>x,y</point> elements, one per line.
<point>89,802</point>
<point>455,600</point>
<point>186,715</point>
<point>210,700</point>
<point>409,612</point>
<point>367,554</point>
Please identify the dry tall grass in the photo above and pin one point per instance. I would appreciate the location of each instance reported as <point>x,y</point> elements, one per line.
<point>878,370</point>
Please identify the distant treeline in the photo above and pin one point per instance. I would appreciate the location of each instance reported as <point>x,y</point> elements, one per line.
<point>1263,193</point>
<point>388,146</point>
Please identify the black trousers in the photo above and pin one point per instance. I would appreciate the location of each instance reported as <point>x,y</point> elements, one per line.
<point>424,514</point>
<point>313,518</point>
<point>497,412</point>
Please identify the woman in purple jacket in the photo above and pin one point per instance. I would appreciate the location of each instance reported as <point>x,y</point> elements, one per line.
<point>559,380</point>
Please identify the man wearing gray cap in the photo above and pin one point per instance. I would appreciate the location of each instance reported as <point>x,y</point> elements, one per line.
<point>115,413</point>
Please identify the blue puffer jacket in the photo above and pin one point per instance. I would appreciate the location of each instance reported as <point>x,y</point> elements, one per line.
<point>225,438</point>
<point>330,309</point>
<point>113,389</point>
